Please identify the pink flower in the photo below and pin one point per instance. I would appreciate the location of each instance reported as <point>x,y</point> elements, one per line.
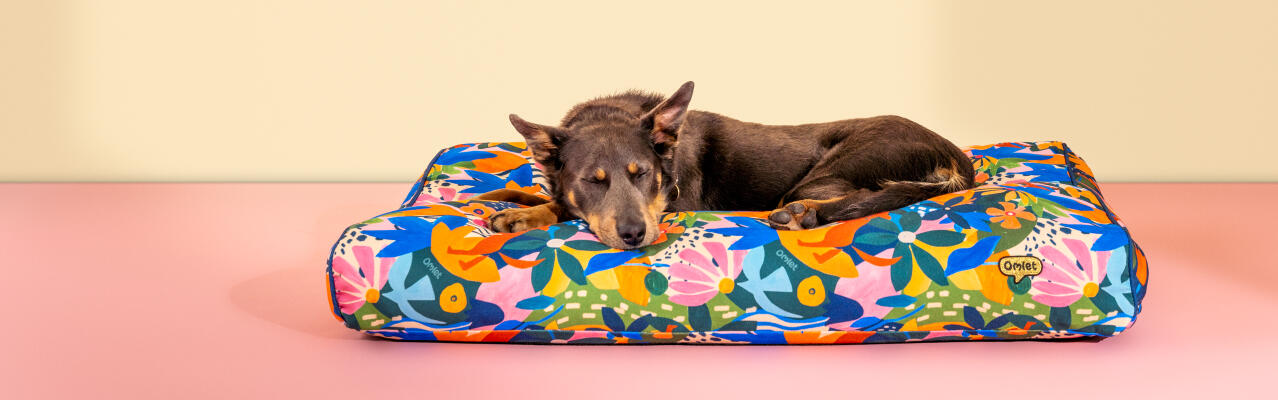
<point>445,194</point>
<point>363,285</point>
<point>703,275</point>
<point>1066,278</point>
<point>515,285</point>
<point>872,283</point>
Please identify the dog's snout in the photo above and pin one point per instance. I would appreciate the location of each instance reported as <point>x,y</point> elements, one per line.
<point>631,234</point>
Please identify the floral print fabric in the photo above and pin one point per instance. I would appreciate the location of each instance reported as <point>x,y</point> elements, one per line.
<point>935,270</point>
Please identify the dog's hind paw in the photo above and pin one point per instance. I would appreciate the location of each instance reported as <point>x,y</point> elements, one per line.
<point>520,219</point>
<point>794,216</point>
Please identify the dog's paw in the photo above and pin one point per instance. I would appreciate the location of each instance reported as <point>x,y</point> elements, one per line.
<point>520,219</point>
<point>794,216</point>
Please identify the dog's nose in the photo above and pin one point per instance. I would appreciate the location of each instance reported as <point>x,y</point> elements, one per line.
<point>631,234</point>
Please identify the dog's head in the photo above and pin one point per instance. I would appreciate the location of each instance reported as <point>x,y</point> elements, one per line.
<point>615,171</point>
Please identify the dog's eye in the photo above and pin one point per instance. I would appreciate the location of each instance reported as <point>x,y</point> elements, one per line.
<point>598,177</point>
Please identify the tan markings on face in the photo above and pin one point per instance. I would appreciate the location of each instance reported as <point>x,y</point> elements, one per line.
<point>656,206</point>
<point>607,228</point>
<point>572,198</point>
<point>632,168</point>
<point>658,180</point>
<point>652,218</point>
<point>600,174</point>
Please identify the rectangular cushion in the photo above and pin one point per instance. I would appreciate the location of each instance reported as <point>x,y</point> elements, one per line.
<point>1033,252</point>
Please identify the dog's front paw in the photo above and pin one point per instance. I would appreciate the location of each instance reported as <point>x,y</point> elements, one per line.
<point>520,219</point>
<point>794,216</point>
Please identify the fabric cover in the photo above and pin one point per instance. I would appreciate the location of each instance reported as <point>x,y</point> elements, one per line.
<point>1033,252</point>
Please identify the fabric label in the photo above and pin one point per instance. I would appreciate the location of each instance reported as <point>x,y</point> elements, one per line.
<point>1020,267</point>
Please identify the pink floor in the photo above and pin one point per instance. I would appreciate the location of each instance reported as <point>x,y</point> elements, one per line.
<point>217,290</point>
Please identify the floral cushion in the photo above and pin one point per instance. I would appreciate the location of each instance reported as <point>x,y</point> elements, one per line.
<point>1033,252</point>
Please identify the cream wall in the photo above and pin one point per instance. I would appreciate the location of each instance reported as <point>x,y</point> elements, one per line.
<point>277,90</point>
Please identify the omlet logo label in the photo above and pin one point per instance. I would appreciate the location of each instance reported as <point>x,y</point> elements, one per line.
<point>1020,266</point>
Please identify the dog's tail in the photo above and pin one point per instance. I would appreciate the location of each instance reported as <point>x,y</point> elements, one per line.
<point>953,178</point>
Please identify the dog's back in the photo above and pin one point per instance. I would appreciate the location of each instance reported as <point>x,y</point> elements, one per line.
<point>750,166</point>
<point>622,159</point>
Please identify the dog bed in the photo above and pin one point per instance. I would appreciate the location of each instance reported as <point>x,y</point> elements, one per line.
<point>1032,252</point>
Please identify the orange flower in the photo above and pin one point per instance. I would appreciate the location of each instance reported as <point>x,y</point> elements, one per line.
<point>1010,216</point>
<point>981,178</point>
<point>463,255</point>
<point>501,161</point>
<point>476,208</point>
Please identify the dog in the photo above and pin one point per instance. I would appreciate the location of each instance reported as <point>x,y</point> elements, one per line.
<point>619,162</point>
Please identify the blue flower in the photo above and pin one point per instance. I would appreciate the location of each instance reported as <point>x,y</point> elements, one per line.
<point>1118,288</point>
<point>414,233</point>
<point>753,233</point>
<point>483,182</point>
<point>461,155</point>
<point>1001,152</point>
<point>950,211</point>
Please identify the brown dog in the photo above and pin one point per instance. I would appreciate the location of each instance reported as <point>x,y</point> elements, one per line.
<point>620,161</point>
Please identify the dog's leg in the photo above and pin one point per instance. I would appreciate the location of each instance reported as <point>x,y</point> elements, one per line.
<point>894,195</point>
<point>801,214</point>
<point>809,213</point>
<point>513,196</point>
<point>520,219</point>
<point>814,195</point>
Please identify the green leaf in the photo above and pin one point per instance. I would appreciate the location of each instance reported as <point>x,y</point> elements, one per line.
<point>535,234</point>
<point>884,224</point>
<point>929,265</point>
<point>699,318</point>
<point>739,326</point>
<point>656,283</point>
<point>910,221</point>
<point>941,238</point>
<point>1009,163</point>
<point>1059,318</point>
<point>1105,302</point>
<point>902,269</point>
<point>690,219</point>
<point>1010,238</point>
<point>377,319</point>
<point>874,239</point>
<point>1019,288</point>
<point>541,273</point>
<point>705,216</point>
<point>525,244</point>
<point>652,250</point>
<point>564,231</point>
<point>587,245</point>
<point>570,266</point>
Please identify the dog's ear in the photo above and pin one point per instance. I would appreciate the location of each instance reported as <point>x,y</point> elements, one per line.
<point>665,119</point>
<point>543,141</point>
